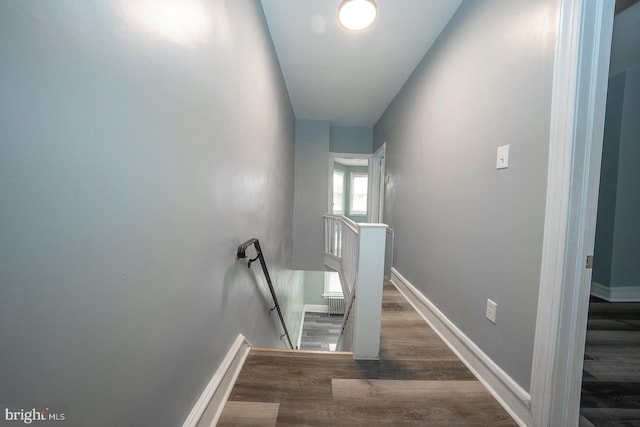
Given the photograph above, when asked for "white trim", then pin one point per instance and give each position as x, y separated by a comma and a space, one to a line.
362, 225
332, 157
377, 173
616, 293
577, 120
514, 399
367, 304
312, 308
299, 340
371, 192
332, 262
332, 188
352, 178
326, 293
215, 394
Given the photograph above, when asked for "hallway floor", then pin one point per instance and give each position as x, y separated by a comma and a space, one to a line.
320, 331
417, 381
611, 375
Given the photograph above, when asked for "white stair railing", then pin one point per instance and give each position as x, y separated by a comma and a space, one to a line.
357, 252
341, 249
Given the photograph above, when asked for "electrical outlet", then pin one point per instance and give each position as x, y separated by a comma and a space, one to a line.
492, 308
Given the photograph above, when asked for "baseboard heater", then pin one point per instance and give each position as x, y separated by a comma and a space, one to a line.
336, 304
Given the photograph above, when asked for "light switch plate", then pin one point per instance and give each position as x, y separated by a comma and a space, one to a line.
502, 160
492, 308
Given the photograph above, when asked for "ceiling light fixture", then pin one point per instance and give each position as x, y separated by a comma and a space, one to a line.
357, 14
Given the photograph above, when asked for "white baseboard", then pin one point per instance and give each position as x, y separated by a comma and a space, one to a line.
209, 406
515, 400
316, 308
616, 293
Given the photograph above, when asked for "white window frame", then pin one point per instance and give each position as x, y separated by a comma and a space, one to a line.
330, 278
352, 177
342, 200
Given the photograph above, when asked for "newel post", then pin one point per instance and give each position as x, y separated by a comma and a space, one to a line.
368, 301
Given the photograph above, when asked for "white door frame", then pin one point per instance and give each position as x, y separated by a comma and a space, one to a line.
577, 121
377, 184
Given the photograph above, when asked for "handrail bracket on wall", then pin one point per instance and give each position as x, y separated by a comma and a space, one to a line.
242, 253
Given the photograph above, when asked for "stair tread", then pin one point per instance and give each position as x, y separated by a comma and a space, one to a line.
297, 353
241, 413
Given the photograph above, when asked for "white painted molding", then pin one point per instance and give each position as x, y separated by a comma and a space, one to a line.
575, 144
376, 188
367, 305
312, 308
299, 339
332, 157
616, 293
332, 262
513, 398
209, 406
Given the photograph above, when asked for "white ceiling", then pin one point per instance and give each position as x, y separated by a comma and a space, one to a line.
351, 77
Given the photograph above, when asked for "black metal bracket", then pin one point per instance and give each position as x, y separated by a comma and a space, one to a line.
242, 253
242, 249
250, 261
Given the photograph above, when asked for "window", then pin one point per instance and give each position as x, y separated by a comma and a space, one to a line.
332, 286
338, 192
358, 197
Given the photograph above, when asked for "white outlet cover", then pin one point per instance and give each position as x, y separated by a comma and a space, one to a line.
502, 159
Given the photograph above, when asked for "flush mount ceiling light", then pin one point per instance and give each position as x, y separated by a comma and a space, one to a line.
357, 14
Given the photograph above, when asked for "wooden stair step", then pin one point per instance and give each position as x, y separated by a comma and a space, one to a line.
297, 353
433, 402
384, 392
260, 414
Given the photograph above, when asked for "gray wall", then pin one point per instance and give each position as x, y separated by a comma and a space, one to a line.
465, 232
625, 42
351, 139
617, 242
311, 196
617, 246
626, 243
603, 248
294, 304
314, 288
133, 161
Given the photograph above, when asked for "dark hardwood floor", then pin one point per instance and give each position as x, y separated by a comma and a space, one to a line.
417, 381
611, 376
